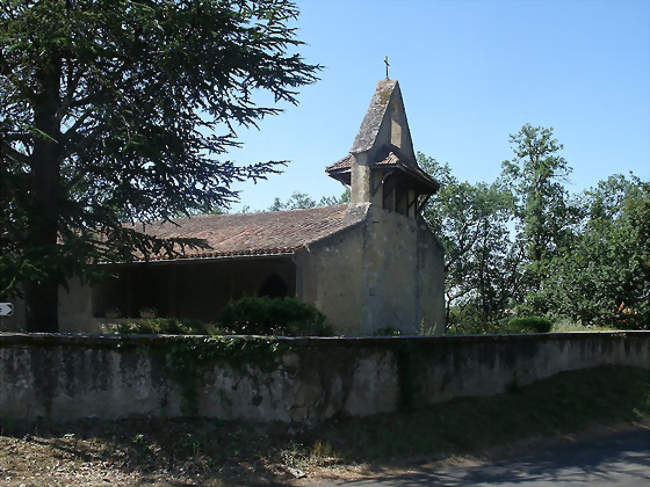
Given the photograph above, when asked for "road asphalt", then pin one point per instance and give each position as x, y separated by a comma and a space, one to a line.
621, 459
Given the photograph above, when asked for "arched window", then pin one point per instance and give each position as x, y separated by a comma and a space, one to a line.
274, 287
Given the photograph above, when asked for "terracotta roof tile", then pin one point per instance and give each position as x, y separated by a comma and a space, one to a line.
275, 232
346, 163
341, 164
341, 169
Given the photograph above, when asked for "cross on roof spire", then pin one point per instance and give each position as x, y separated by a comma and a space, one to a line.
387, 65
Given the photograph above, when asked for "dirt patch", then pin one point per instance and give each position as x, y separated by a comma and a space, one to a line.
153, 453
141, 452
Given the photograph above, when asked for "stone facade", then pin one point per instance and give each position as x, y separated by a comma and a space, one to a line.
368, 265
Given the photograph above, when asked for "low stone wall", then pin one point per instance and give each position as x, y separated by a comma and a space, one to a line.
67, 377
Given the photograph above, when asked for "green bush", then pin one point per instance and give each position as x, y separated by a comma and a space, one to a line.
389, 331
529, 324
165, 326
273, 316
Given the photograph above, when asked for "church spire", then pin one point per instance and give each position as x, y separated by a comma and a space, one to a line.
385, 127
381, 168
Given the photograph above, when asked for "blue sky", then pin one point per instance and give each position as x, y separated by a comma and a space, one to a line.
471, 73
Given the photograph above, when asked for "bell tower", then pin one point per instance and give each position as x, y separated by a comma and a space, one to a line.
381, 168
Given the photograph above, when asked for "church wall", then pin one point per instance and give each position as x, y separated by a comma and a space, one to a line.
331, 279
403, 275
387, 272
15, 322
431, 282
75, 308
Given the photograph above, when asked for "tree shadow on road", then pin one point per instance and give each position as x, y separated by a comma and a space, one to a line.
602, 461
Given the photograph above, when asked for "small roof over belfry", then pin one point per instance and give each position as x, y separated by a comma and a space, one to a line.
385, 135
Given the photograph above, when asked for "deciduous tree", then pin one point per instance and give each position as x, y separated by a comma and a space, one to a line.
482, 261
299, 201
604, 277
536, 175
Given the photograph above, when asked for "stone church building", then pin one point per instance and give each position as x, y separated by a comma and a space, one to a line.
367, 265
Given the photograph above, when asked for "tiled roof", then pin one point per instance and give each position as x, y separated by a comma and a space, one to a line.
390, 161
275, 232
341, 164
346, 163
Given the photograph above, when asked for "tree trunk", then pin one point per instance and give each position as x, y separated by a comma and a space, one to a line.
41, 295
41, 302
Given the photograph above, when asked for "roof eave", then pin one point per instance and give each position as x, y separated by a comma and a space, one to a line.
430, 185
199, 258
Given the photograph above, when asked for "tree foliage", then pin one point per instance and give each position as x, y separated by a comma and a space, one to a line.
300, 201
263, 315
112, 110
524, 246
535, 175
604, 277
481, 259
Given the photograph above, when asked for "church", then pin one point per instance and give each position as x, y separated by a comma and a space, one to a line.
367, 265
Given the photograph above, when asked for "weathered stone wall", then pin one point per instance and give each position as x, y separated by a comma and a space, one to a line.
386, 272
403, 274
330, 276
67, 377
430, 282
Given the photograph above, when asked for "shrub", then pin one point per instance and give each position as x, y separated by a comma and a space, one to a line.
529, 324
165, 326
389, 331
273, 316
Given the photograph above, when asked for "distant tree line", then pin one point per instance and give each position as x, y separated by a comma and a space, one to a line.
298, 201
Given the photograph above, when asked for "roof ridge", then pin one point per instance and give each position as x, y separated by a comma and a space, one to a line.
253, 213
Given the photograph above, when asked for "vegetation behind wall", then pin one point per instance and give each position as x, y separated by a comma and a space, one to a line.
524, 245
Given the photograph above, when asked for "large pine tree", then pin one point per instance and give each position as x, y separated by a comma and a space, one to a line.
115, 110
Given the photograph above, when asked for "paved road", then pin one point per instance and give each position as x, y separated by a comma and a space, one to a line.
619, 460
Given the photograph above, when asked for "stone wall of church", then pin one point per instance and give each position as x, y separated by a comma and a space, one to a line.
67, 377
431, 282
403, 275
330, 276
386, 272
75, 310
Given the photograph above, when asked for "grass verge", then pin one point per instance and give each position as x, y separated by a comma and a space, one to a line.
208, 452
568, 402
